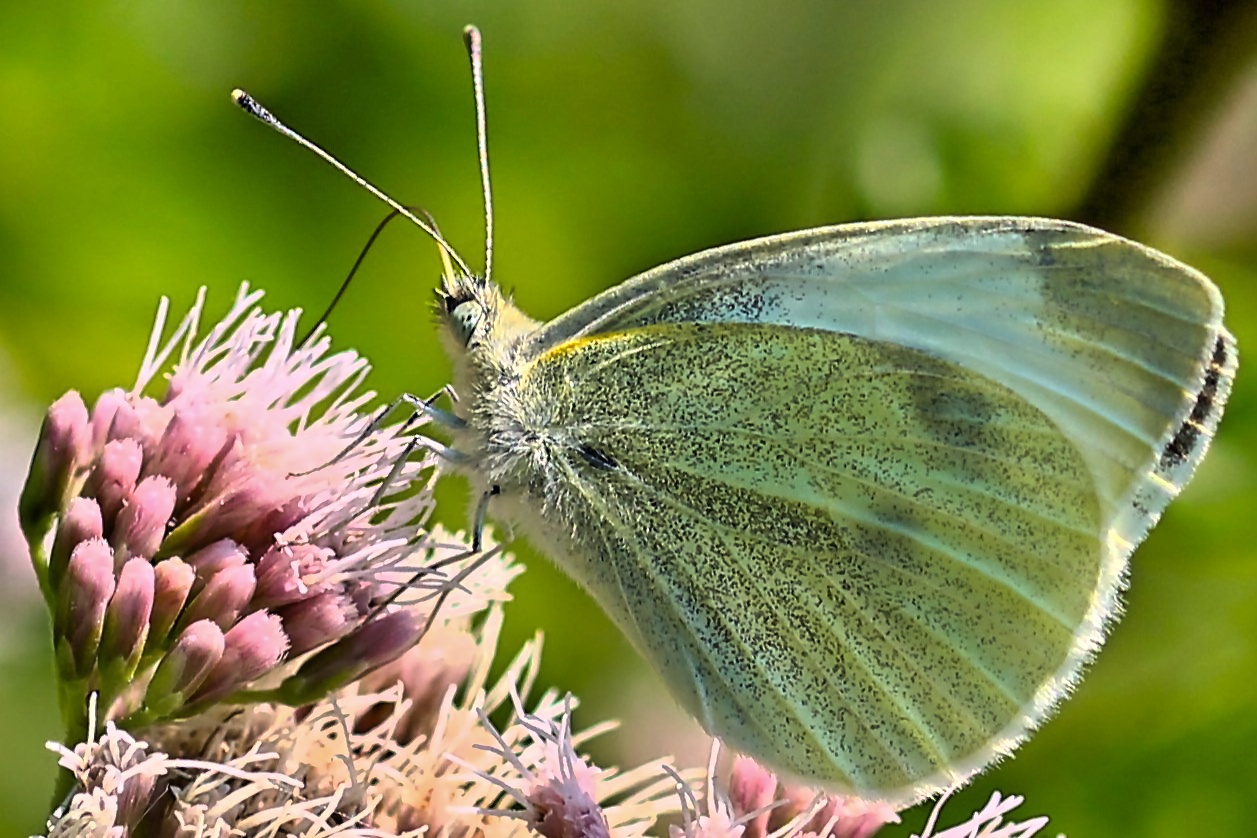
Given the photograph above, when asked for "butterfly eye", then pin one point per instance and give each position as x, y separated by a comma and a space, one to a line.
464, 318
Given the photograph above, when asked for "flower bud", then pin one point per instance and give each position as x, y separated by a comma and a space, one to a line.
113, 478
140, 797
838, 815
254, 646
317, 620
374, 644
127, 619
193, 439
107, 406
216, 557
237, 512
559, 809
751, 789
141, 524
223, 598
82, 522
173, 580
251, 512
185, 667
83, 597
62, 452
285, 574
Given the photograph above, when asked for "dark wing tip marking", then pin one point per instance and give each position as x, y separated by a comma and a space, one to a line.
1185, 441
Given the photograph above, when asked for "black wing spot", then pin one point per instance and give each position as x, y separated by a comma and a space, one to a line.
1185, 441
597, 458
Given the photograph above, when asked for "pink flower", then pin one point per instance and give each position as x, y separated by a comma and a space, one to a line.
248, 490
758, 805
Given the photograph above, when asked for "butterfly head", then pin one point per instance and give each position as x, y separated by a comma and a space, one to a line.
480, 326
467, 306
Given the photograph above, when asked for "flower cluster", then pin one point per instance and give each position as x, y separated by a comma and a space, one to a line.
190, 543
249, 538
368, 763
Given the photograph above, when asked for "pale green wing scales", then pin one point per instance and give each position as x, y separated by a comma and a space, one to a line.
1122, 346
856, 561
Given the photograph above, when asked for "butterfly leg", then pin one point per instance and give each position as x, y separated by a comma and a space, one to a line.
426, 408
482, 512
445, 586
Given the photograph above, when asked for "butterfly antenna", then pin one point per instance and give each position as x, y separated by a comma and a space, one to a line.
252, 107
471, 36
362, 255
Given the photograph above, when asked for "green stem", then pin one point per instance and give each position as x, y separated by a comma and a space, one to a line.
75, 724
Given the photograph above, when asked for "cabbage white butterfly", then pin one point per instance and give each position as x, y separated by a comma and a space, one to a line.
863, 495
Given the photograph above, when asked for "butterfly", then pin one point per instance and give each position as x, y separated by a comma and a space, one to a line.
863, 495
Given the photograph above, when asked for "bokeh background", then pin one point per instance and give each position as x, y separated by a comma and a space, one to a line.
624, 135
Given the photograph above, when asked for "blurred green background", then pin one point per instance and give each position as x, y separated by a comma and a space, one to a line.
622, 135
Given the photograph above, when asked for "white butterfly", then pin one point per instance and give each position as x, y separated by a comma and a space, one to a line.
863, 495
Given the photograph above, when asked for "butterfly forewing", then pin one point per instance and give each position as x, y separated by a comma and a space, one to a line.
1114, 341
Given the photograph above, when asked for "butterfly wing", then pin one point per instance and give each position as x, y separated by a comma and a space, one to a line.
1120, 345
864, 495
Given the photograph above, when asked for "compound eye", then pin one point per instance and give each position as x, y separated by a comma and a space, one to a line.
464, 318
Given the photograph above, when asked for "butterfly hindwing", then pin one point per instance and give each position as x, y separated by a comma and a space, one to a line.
855, 560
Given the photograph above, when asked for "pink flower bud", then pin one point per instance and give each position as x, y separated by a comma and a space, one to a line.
258, 644
285, 574
259, 533
317, 620
254, 646
173, 580
373, 644
751, 788
564, 810
223, 598
141, 524
856, 818
82, 599
250, 511
139, 796
82, 522
104, 413
217, 557
127, 618
114, 476
199, 648
251, 514
838, 816
795, 800
189, 445
62, 452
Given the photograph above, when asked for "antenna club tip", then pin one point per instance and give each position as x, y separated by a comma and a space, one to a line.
471, 33
252, 107
246, 102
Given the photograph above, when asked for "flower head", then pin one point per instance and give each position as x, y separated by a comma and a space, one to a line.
757, 805
346, 766
193, 540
